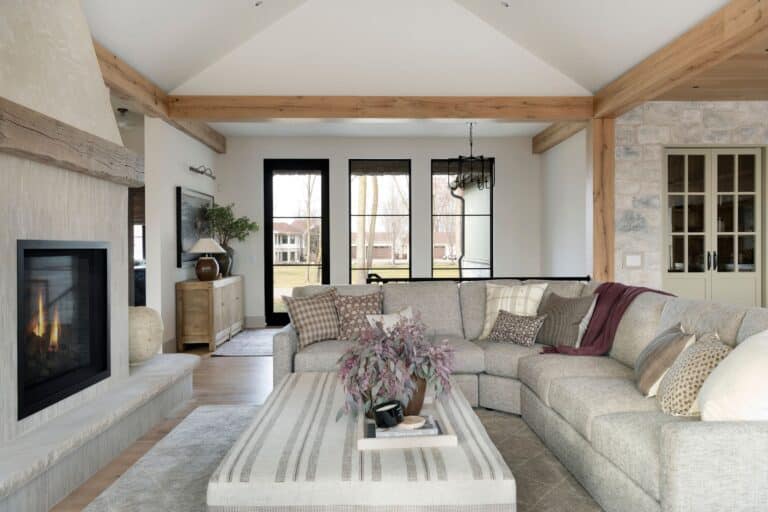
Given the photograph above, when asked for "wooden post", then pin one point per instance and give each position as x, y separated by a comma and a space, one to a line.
603, 194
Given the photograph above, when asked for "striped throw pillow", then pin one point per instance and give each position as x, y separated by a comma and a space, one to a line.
520, 300
564, 316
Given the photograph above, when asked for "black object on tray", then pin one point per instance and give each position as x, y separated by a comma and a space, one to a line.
388, 414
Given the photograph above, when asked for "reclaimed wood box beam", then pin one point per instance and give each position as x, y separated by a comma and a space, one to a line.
29, 134
603, 199
256, 108
148, 99
728, 31
556, 133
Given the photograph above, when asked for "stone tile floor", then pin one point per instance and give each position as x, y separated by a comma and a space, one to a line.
543, 484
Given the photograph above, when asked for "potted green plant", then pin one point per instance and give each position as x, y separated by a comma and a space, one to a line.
225, 228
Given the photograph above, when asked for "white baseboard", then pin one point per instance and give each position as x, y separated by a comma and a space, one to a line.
255, 322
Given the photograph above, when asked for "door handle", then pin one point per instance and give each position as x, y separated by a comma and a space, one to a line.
714, 260
709, 260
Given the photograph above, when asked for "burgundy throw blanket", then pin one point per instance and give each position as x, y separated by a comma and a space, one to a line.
613, 299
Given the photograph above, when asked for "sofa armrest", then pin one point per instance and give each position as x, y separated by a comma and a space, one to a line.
714, 466
285, 344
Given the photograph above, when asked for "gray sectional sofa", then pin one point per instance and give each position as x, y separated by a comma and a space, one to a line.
627, 453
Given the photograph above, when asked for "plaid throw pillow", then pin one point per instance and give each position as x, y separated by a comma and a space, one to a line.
353, 311
521, 330
521, 300
314, 318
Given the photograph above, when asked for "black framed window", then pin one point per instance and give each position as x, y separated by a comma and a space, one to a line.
462, 227
379, 219
296, 248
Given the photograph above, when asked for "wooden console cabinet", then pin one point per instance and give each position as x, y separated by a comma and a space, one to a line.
209, 311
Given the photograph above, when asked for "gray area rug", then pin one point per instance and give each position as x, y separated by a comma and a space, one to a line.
173, 475
251, 342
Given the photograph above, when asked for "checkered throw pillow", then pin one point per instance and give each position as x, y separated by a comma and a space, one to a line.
521, 330
314, 318
520, 300
353, 311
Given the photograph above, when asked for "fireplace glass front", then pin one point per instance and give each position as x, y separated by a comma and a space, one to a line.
63, 331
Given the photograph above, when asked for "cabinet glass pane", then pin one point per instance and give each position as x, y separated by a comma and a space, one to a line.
696, 253
746, 213
677, 254
696, 173
746, 173
676, 213
725, 259
676, 173
725, 215
726, 175
746, 253
695, 214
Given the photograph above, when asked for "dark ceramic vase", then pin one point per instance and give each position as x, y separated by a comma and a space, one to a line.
207, 269
226, 260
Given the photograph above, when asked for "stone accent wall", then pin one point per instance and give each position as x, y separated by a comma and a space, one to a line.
641, 136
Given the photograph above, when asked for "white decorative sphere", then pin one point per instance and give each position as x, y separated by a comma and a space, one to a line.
145, 333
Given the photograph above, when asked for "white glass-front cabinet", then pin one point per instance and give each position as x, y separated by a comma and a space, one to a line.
712, 224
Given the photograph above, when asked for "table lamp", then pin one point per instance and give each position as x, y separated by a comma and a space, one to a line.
207, 268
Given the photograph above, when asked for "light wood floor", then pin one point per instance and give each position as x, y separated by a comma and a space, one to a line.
218, 380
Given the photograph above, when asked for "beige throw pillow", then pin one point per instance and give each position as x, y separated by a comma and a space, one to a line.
680, 387
390, 320
658, 357
314, 318
520, 300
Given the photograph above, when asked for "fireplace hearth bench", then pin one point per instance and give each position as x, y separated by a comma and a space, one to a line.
295, 456
41, 467
617, 444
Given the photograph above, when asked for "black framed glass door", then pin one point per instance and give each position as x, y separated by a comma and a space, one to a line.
296, 236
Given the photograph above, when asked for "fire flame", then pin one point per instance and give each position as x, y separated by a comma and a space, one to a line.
53, 346
38, 323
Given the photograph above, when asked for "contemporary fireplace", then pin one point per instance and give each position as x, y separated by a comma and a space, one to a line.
63, 320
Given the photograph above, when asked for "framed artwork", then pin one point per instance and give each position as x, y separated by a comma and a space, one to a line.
190, 224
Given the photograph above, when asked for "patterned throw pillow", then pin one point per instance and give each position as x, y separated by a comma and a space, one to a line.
352, 311
680, 386
521, 330
659, 356
564, 316
314, 318
521, 300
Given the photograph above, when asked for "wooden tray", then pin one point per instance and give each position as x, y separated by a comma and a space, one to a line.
446, 438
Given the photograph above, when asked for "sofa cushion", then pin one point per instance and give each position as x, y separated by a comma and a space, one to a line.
538, 372
755, 321
468, 356
589, 288
438, 303
501, 359
472, 296
562, 288
341, 289
638, 327
579, 400
616, 436
701, 317
320, 357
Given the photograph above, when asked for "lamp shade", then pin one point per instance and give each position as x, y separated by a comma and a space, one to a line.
207, 246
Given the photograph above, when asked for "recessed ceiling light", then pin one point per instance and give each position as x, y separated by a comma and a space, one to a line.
257, 3
695, 86
505, 4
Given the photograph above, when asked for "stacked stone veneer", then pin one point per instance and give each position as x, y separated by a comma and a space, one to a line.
641, 136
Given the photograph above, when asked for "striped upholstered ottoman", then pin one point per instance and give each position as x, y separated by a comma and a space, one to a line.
295, 457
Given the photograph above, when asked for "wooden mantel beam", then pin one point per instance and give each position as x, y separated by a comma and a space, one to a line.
556, 133
29, 134
255, 108
149, 99
723, 34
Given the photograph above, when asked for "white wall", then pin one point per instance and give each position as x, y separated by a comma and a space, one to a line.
168, 153
566, 224
516, 198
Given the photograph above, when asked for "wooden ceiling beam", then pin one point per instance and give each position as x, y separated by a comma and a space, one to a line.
127, 83
255, 108
556, 133
725, 33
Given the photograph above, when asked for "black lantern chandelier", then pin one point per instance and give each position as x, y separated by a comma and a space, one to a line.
471, 169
